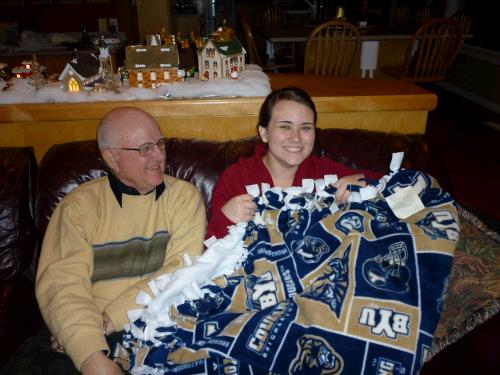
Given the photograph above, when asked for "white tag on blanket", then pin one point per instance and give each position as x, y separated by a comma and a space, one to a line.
253, 190
405, 202
265, 187
320, 185
209, 241
396, 160
330, 179
368, 192
308, 185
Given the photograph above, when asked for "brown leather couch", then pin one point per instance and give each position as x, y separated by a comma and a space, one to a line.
29, 194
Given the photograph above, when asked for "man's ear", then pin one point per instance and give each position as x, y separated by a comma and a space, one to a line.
263, 133
109, 157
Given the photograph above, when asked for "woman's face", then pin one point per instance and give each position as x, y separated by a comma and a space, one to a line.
289, 135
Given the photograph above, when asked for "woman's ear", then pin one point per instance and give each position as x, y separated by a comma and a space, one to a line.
263, 133
109, 157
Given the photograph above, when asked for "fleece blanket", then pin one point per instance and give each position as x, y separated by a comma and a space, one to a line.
309, 287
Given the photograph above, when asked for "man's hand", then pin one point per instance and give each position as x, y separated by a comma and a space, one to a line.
99, 364
342, 194
108, 326
240, 208
54, 344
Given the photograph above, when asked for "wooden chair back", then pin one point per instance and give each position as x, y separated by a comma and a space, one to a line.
275, 64
253, 54
431, 51
331, 49
422, 15
401, 16
463, 20
273, 18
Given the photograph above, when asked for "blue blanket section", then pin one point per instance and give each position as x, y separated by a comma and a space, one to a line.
355, 292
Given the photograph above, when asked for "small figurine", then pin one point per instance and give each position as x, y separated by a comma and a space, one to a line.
190, 72
4, 73
37, 74
181, 73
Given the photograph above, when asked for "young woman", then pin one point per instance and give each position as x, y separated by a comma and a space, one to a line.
287, 123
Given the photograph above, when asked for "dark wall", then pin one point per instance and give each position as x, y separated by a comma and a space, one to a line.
71, 17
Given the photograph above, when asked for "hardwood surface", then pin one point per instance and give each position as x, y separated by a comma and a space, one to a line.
341, 103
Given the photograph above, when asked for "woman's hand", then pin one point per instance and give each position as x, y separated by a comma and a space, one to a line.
240, 208
342, 194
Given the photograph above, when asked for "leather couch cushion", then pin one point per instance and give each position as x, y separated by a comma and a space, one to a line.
18, 171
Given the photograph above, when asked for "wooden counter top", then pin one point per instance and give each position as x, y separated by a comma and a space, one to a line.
366, 94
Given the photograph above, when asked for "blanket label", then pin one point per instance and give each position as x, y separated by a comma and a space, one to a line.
405, 202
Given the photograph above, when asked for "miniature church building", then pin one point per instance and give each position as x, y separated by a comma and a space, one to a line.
153, 64
83, 73
221, 56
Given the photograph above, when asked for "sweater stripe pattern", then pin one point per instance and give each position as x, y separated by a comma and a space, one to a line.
135, 257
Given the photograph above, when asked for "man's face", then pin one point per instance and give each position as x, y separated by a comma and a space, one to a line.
143, 173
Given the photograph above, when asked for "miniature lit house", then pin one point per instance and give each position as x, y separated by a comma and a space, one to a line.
221, 55
152, 65
83, 73
23, 70
80, 73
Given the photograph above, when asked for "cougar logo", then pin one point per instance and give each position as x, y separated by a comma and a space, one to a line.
382, 217
311, 249
349, 222
293, 224
315, 356
389, 272
330, 288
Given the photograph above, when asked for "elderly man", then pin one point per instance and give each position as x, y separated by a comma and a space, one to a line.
112, 235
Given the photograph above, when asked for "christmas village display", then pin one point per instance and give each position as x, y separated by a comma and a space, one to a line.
219, 56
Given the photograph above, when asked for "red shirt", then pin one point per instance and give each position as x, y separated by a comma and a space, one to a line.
249, 171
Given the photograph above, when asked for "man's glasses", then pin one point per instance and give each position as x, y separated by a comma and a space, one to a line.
147, 148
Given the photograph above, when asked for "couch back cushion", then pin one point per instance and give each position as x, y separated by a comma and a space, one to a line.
201, 162
372, 150
63, 168
18, 171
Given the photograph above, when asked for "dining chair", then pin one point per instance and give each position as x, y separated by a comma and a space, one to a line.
401, 16
274, 64
430, 52
331, 48
422, 15
272, 19
463, 21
